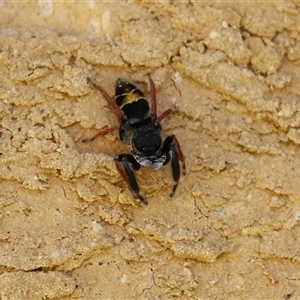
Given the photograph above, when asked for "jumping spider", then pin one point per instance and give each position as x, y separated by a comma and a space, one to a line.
140, 127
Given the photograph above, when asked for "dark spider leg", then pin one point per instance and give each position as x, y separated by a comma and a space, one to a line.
126, 164
124, 133
104, 132
172, 148
113, 104
153, 96
180, 154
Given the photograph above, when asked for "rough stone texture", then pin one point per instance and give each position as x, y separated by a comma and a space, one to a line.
70, 227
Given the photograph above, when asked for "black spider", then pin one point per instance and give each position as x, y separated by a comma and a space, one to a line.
140, 127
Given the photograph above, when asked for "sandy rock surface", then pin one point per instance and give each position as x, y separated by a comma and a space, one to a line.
69, 226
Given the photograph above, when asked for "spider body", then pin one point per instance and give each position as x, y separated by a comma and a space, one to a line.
140, 127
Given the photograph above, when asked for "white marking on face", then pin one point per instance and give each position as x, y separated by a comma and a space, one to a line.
152, 162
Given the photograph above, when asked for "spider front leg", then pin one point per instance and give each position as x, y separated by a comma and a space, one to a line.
126, 164
172, 148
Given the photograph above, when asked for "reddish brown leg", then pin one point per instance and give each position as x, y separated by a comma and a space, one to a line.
153, 102
104, 132
153, 96
165, 114
111, 101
